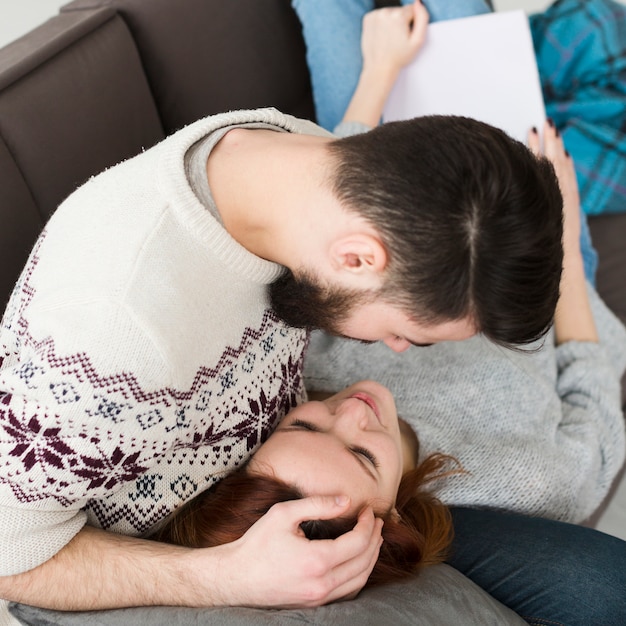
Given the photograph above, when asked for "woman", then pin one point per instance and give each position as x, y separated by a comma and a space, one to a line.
555, 457
351, 442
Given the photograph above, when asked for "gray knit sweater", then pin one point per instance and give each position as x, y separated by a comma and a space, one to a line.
538, 433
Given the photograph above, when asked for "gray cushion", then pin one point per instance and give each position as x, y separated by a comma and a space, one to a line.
440, 596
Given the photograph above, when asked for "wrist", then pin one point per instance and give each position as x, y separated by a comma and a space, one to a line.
379, 77
573, 263
207, 574
370, 96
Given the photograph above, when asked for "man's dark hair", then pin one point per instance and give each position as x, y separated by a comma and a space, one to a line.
471, 220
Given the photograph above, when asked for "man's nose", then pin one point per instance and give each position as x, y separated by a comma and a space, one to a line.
397, 344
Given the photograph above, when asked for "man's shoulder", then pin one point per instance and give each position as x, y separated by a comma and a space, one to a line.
269, 116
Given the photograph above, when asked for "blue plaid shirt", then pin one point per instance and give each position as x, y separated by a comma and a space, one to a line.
581, 54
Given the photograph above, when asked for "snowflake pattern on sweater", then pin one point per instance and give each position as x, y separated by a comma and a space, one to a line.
208, 429
140, 360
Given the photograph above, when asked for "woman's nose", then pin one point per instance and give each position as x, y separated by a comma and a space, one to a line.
354, 413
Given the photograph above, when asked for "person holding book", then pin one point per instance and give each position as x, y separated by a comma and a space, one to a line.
559, 430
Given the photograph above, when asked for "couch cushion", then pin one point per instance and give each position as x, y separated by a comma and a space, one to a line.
73, 101
20, 223
608, 233
77, 103
209, 56
440, 596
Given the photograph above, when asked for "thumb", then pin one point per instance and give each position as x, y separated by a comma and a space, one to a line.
313, 507
420, 21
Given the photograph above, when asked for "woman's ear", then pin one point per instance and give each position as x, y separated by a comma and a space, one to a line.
359, 253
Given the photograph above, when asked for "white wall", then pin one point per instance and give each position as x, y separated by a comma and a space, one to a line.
530, 6
17, 17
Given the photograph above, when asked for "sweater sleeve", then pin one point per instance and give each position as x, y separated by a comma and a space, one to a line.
589, 388
29, 538
41, 461
347, 129
69, 430
568, 445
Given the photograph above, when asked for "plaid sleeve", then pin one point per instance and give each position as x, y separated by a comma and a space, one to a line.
581, 54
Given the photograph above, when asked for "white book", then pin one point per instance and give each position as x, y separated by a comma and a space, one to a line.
482, 67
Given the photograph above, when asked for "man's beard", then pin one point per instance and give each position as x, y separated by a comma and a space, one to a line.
301, 302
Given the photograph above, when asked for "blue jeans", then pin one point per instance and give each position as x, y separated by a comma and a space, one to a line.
548, 572
332, 32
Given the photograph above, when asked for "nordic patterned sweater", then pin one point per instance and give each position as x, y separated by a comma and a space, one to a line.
139, 358
538, 433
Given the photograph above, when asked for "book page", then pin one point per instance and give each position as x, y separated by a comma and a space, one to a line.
482, 67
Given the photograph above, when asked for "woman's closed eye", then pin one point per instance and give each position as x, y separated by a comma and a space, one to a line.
304, 425
367, 454
364, 452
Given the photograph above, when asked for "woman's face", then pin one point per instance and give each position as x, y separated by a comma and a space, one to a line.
348, 444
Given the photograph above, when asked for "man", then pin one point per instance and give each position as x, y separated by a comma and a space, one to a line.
142, 360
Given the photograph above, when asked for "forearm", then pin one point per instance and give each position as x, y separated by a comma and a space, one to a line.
271, 565
101, 570
590, 434
390, 40
370, 96
573, 320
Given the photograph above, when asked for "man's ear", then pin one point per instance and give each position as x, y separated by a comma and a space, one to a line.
359, 253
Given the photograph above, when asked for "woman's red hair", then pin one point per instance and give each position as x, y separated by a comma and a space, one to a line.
420, 535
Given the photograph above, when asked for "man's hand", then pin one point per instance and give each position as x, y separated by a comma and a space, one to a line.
275, 565
272, 565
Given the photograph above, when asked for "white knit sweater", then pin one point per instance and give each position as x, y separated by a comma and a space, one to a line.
139, 360
538, 433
